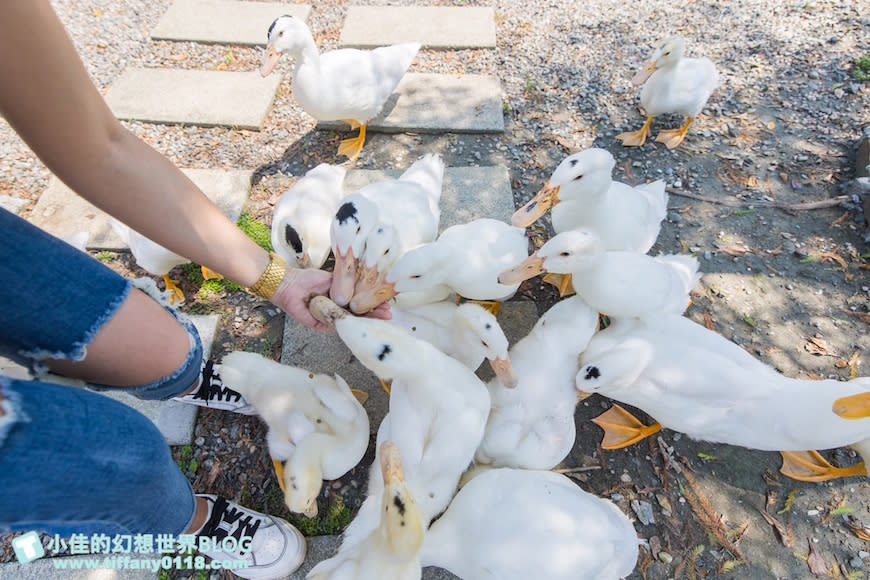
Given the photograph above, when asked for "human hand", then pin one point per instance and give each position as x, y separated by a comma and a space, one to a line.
297, 287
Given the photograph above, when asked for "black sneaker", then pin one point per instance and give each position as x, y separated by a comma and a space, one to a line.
270, 547
213, 394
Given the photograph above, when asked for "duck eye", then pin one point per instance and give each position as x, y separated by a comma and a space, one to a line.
564, 254
387, 251
483, 342
579, 177
280, 34
415, 276
667, 53
357, 229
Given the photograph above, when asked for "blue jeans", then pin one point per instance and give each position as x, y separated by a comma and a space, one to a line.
72, 460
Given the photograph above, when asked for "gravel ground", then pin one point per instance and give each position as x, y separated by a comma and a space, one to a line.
789, 286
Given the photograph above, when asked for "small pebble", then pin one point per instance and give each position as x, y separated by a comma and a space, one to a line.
856, 562
665, 557
812, 512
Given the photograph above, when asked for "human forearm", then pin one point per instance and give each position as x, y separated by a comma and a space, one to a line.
48, 98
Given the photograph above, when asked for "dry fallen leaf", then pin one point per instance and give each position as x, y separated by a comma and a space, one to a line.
816, 345
781, 532
816, 562
734, 250
860, 532
708, 321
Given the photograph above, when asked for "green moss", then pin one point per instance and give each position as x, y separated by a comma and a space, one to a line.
338, 516
257, 231
105, 256
861, 72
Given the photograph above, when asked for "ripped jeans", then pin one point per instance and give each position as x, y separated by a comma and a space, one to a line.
72, 460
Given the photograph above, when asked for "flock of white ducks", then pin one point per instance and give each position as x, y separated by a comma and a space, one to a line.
463, 482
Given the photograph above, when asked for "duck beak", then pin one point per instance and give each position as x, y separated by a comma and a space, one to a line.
853, 407
644, 73
504, 371
343, 277
528, 268
270, 59
536, 207
391, 463
371, 290
304, 261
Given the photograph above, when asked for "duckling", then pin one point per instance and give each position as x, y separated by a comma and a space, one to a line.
532, 426
697, 382
618, 284
315, 423
466, 259
302, 216
676, 85
391, 216
518, 524
348, 85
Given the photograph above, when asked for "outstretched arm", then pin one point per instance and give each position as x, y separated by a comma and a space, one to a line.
47, 96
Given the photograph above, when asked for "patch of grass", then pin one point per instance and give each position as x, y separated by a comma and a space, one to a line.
105, 256
257, 231
331, 519
186, 461
337, 517
749, 320
742, 212
861, 72
530, 88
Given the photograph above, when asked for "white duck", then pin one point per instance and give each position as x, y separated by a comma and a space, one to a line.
302, 216
697, 382
505, 523
583, 195
676, 85
467, 332
386, 535
438, 406
466, 259
532, 426
155, 259
517, 524
315, 423
618, 284
398, 213
342, 85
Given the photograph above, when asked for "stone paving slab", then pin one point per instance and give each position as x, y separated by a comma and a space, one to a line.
432, 26
175, 420
64, 214
227, 21
436, 103
12, 204
468, 193
193, 97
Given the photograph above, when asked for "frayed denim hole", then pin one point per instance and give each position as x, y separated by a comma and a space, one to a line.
11, 406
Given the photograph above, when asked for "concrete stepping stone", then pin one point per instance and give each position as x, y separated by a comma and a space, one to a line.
193, 97
64, 214
223, 21
175, 420
433, 26
436, 103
